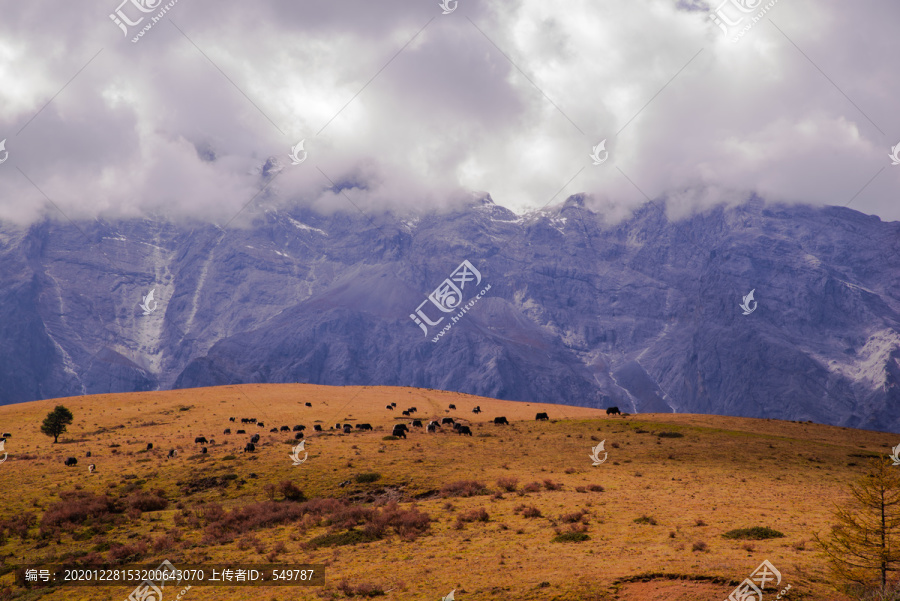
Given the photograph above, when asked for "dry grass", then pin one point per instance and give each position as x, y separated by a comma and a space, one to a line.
397, 533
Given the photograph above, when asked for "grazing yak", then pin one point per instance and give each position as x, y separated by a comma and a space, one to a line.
255, 438
417, 423
365, 426
274, 430
432, 427
348, 428
91, 468
252, 420
244, 420
477, 409
261, 425
71, 461
613, 411
231, 419
464, 430
398, 432
452, 406
172, 453
299, 428
203, 451
149, 446
317, 428
298, 436
402, 427
388, 407
241, 432
406, 413
501, 421
250, 447
309, 404
285, 428
201, 440
88, 454
227, 430
541, 417
412, 409
447, 420
393, 404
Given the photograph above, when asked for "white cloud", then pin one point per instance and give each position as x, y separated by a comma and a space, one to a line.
134, 132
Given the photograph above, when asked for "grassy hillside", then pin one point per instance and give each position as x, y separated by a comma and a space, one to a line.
647, 524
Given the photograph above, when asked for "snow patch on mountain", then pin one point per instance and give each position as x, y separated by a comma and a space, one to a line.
870, 362
303, 226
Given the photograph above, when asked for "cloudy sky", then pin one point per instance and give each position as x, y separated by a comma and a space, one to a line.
401, 106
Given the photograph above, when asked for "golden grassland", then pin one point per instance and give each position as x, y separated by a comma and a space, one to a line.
723, 473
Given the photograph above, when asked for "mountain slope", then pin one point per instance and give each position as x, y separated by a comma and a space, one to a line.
496, 501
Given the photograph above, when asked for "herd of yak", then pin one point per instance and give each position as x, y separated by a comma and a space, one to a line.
399, 430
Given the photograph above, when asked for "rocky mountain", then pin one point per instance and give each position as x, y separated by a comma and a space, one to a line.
556, 306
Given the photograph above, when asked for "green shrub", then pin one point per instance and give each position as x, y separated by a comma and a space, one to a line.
571, 537
367, 477
391, 438
670, 435
755, 533
645, 519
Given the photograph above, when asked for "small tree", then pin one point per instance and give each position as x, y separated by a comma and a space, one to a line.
864, 546
56, 421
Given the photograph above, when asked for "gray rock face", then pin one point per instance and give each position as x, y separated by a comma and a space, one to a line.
642, 314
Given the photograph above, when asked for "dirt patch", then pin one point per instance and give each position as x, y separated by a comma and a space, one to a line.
672, 590
382, 495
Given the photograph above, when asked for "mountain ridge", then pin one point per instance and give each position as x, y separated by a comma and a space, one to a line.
641, 313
